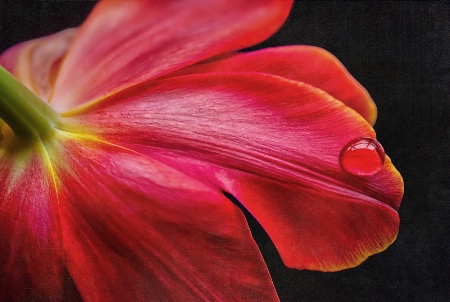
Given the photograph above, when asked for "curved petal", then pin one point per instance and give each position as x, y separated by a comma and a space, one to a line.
147, 232
309, 64
35, 63
30, 255
320, 229
281, 141
317, 227
124, 43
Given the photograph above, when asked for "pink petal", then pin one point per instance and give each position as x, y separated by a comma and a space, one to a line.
127, 42
135, 229
308, 64
35, 63
272, 142
30, 253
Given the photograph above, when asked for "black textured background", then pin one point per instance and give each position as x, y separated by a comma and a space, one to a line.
400, 51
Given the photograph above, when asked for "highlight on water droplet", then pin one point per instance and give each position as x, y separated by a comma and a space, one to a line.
362, 156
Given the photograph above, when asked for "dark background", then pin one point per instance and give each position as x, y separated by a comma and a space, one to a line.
400, 51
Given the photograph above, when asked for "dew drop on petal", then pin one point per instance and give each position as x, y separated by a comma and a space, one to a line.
362, 156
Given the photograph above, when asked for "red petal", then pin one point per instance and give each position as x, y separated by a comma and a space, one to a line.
308, 64
321, 228
35, 63
314, 225
287, 134
127, 42
135, 229
30, 254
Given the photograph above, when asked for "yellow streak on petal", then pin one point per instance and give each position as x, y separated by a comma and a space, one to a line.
355, 260
167, 176
48, 163
19, 152
79, 109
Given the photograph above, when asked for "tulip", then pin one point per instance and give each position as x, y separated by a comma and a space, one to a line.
122, 140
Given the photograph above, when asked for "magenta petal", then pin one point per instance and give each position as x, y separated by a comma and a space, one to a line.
31, 267
124, 43
135, 229
275, 145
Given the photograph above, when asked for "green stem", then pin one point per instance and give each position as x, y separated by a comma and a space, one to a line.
25, 113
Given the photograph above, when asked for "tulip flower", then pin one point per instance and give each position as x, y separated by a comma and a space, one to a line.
122, 139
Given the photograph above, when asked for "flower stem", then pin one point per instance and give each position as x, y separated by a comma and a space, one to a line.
25, 113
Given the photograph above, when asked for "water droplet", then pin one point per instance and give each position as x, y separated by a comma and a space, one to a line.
362, 156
